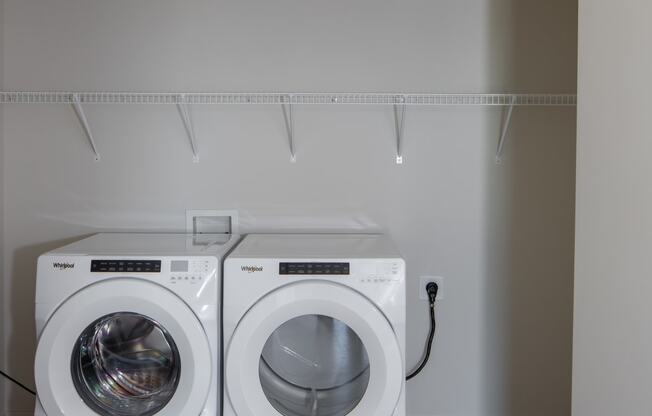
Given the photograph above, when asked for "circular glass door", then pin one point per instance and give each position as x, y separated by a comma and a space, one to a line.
313, 348
314, 365
125, 364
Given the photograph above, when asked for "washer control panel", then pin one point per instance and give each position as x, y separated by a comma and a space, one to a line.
127, 266
183, 270
189, 271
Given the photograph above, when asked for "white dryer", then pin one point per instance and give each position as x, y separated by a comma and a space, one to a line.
128, 324
314, 325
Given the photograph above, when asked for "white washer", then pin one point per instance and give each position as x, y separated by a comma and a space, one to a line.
314, 325
128, 324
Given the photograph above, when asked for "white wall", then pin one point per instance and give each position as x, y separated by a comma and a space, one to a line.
612, 337
501, 235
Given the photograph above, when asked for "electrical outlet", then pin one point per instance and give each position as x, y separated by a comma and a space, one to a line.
423, 282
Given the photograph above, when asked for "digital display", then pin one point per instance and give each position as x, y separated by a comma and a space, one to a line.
179, 266
129, 266
314, 268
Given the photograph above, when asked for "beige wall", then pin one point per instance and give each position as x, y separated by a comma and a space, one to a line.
612, 337
501, 235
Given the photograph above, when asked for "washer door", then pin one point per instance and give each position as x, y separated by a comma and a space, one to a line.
123, 347
314, 349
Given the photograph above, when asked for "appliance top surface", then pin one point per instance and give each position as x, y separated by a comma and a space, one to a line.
307, 246
130, 244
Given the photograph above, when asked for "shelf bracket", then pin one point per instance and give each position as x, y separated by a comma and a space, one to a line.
81, 116
399, 121
289, 125
507, 119
184, 112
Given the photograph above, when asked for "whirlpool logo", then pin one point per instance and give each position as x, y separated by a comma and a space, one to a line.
252, 269
63, 266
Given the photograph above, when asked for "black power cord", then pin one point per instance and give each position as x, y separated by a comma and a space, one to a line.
431, 288
18, 383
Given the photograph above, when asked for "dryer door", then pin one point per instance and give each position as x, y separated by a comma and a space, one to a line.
123, 347
314, 348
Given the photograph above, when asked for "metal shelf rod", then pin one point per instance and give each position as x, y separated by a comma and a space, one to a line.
81, 116
415, 99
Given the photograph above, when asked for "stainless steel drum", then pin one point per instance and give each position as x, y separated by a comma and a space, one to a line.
125, 364
314, 365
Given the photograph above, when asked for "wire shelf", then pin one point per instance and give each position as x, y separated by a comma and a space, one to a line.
289, 98
399, 102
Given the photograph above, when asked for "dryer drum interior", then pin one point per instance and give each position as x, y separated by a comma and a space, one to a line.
314, 365
125, 364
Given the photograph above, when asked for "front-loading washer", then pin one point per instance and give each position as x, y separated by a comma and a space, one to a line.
314, 325
128, 324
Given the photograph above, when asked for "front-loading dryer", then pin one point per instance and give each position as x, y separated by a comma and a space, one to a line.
314, 325
128, 324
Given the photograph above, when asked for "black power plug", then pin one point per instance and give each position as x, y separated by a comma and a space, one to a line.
431, 289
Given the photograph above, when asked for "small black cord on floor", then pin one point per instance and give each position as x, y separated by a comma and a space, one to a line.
18, 383
432, 289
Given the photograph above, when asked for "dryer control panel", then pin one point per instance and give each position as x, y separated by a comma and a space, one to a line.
383, 272
314, 268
